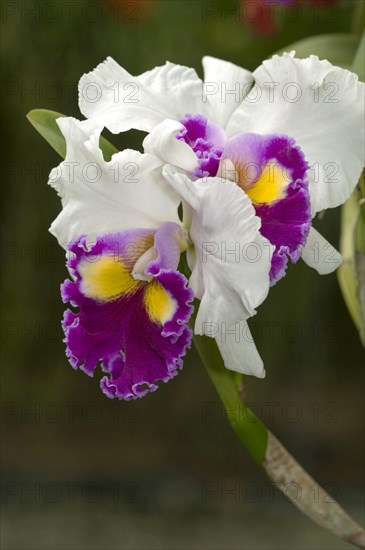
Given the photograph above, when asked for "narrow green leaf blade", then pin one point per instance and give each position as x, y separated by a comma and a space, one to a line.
44, 122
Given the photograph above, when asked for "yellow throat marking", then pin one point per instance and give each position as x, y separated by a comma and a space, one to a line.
106, 278
270, 186
160, 306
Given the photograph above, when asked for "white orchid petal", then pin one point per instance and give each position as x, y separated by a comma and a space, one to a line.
101, 197
322, 108
196, 280
225, 86
122, 101
320, 254
233, 260
162, 143
239, 351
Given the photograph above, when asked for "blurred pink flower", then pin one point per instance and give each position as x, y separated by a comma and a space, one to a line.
259, 14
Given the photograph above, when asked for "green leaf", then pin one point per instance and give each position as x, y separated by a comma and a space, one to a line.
339, 49
247, 426
44, 122
358, 18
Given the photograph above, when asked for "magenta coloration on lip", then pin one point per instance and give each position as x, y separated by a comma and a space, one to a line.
135, 351
286, 221
206, 140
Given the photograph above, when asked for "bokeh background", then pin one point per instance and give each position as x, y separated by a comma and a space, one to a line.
166, 472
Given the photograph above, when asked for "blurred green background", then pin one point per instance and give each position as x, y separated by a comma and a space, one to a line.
80, 471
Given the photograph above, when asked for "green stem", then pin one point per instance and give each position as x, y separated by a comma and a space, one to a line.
272, 456
350, 273
248, 427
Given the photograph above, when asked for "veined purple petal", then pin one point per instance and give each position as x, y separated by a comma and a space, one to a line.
207, 141
137, 329
281, 201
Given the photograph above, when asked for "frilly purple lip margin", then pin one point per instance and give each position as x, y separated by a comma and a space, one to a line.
206, 140
136, 352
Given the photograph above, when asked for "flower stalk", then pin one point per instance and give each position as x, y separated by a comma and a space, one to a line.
268, 453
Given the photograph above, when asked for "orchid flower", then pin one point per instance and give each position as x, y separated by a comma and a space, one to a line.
289, 136
121, 229
230, 166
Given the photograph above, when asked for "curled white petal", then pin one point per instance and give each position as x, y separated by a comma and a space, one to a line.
122, 101
101, 197
320, 254
163, 143
238, 349
322, 108
233, 259
225, 86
